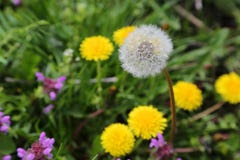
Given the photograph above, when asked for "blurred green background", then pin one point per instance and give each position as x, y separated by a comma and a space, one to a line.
35, 34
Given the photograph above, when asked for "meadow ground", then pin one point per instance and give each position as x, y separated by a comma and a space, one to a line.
84, 96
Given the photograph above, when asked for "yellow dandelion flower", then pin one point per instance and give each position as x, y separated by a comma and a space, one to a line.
120, 34
117, 139
146, 121
96, 48
228, 86
187, 95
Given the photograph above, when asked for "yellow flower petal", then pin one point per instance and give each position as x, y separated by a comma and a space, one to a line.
120, 34
146, 122
96, 48
228, 86
117, 139
187, 95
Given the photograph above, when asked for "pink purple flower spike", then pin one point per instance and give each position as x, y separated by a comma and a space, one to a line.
52, 95
60, 82
21, 152
179, 158
40, 150
58, 85
7, 157
164, 150
4, 122
30, 156
61, 79
157, 142
48, 108
40, 76
16, 2
51, 86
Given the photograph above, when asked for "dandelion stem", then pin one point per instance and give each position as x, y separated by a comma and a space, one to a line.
137, 144
99, 83
172, 105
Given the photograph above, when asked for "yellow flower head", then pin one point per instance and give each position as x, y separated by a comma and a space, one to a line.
120, 34
187, 95
117, 139
146, 121
228, 86
96, 48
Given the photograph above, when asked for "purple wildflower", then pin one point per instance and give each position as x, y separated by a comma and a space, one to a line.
40, 150
7, 157
58, 85
179, 158
48, 108
4, 122
52, 95
157, 142
40, 76
16, 2
61, 79
60, 82
164, 150
51, 86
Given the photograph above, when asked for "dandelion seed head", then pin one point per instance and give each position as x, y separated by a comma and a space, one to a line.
145, 51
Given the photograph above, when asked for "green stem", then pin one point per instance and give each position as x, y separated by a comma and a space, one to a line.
99, 83
95, 157
172, 105
138, 143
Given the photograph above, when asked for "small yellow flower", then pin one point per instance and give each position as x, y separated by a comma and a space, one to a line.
117, 139
146, 121
228, 86
187, 95
96, 48
120, 34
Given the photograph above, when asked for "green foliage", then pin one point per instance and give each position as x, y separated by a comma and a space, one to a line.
7, 145
34, 36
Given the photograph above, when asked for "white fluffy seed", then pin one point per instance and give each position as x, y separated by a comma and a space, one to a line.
145, 51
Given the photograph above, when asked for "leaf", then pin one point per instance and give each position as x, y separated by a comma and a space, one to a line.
7, 145
96, 147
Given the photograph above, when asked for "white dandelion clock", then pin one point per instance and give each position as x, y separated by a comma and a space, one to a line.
145, 51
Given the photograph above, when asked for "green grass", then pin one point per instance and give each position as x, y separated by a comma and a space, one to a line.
33, 37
